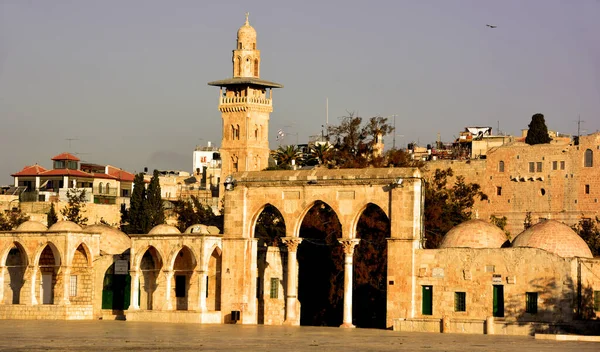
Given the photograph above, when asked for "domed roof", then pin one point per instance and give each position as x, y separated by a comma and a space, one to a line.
475, 233
554, 237
32, 226
65, 226
203, 230
164, 229
112, 240
246, 31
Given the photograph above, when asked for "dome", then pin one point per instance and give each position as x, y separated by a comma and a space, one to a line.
65, 226
475, 234
164, 229
554, 237
32, 226
246, 32
112, 240
203, 230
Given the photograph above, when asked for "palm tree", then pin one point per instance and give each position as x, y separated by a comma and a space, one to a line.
320, 153
285, 154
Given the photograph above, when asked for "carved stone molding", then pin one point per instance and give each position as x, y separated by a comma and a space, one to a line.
291, 243
349, 245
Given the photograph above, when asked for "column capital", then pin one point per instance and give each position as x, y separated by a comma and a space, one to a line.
291, 243
349, 245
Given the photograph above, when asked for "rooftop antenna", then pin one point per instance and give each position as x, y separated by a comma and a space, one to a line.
579, 121
71, 139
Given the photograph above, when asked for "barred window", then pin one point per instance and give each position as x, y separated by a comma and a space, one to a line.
501, 166
73, 286
539, 166
274, 287
460, 301
555, 165
589, 158
531, 166
531, 302
562, 165
597, 301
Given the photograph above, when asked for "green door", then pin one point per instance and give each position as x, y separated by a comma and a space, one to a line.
498, 301
427, 308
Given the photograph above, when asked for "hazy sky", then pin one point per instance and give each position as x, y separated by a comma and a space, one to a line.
127, 78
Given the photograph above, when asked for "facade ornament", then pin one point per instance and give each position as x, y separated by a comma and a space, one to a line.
349, 245
291, 243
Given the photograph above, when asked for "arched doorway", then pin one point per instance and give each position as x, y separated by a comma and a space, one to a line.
49, 263
321, 268
270, 288
116, 288
183, 268
16, 263
213, 291
369, 297
150, 266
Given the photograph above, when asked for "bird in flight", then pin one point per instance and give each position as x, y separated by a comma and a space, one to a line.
491, 25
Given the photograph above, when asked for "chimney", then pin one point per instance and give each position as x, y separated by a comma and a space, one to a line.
209, 144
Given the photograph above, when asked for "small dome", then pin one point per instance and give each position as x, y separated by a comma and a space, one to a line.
65, 226
554, 237
475, 234
200, 229
112, 240
164, 229
246, 32
32, 226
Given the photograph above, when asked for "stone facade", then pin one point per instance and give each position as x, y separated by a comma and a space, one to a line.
551, 181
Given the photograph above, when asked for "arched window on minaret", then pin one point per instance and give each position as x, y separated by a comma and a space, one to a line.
232, 132
255, 67
237, 132
239, 65
256, 132
234, 163
240, 45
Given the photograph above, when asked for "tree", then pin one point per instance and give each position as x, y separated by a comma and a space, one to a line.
154, 208
286, 155
75, 207
501, 223
447, 207
138, 222
320, 154
538, 132
51, 217
192, 212
589, 231
12, 219
527, 223
400, 158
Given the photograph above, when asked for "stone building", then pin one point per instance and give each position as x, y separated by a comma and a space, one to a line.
558, 181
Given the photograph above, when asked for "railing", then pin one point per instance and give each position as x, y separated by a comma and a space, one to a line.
111, 192
241, 100
29, 196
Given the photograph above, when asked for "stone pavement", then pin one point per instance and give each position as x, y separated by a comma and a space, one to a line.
32, 335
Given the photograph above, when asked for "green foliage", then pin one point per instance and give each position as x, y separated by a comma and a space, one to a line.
192, 212
12, 219
285, 155
527, 223
538, 132
320, 154
138, 221
400, 158
76, 206
589, 230
51, 216
501, 223
447, 207
270, 227
154, 209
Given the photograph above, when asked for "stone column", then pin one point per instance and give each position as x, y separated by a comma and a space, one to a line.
66, 276
201, 290
292, 280
34, 283
2, 271
348, 254
168, 287
135, 290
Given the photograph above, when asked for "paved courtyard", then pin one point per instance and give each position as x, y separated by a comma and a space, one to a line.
22, 335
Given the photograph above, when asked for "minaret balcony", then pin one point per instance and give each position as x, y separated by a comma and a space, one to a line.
245, 100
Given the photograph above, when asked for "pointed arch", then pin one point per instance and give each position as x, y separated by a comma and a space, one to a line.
18, 246
360, 213
100, 188
588, 158
85, 251
181, 252
15, 260
53, 248
239, 63
256, 68
150, 264
155, 253
48, 260
213, 280
257, 216
305, 211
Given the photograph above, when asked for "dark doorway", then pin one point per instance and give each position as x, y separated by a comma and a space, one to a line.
369, 298
116, 290
321, 268
427, 308
498, 309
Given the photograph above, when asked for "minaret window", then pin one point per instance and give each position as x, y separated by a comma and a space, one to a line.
255, 67
232, 132
240, 46
239, 65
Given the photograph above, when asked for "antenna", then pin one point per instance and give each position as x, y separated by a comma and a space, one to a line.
327, 111
71, 139
579, 121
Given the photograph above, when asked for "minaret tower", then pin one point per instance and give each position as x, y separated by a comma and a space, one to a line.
245, 102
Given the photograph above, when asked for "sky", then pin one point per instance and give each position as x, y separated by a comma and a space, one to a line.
124, 82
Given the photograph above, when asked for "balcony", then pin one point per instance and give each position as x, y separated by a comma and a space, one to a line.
233, 104
104, 192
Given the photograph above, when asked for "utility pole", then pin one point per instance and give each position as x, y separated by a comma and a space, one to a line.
579, 121
394, 139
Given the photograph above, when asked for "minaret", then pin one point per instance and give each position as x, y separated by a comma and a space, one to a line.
245, 102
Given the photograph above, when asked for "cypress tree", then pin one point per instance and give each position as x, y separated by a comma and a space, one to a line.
538, 131
137, 216
76, 207
155, 210
51, 217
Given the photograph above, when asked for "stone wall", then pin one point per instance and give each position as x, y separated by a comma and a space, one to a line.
49, 312
272, 264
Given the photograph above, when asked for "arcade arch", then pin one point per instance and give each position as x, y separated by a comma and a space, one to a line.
16, 264
150, 265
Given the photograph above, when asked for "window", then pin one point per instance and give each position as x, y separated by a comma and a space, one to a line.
501, 166
587, 189
255, 67
427, 304
539, 166
274, 287
498, 191
531, 302
555, 165
124, 193
73, 286
108, 188
597, 301
240, 46
59, 164
588, 158
531, 166
100, 188
180, 286
562, 165
460, 301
